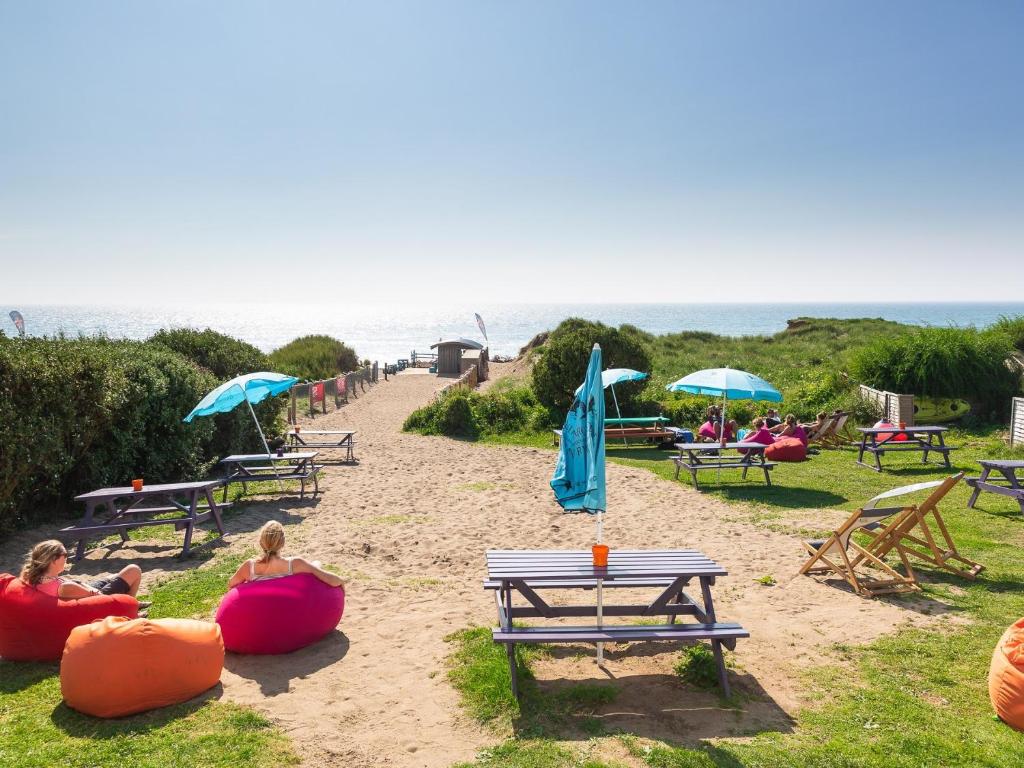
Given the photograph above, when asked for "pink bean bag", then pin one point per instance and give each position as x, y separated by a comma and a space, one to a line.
279, 615
34, 626
786, 449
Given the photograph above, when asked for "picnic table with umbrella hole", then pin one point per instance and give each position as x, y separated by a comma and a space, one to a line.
695, 457
324, 439
248, 468
886, 439
1014, 487
666, 572
119, 510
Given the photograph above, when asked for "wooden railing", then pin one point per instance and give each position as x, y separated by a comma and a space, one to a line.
893, 407
337, 390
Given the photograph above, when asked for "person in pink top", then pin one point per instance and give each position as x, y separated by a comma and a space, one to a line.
46, 562
759, 434
790, 428
711, 431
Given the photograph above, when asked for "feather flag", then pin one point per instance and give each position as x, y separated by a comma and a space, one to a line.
19, 321
480, 325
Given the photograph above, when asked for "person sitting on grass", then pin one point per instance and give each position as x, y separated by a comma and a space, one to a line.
272, 566
48, 559
790, 428
771, 418
711, 430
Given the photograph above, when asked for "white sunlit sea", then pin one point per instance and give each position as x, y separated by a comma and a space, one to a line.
387, 333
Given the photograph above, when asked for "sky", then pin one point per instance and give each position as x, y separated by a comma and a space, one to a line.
195, 152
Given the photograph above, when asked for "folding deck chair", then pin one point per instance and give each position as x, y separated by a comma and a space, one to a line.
841, 555
834, 437
912, 534
818, 436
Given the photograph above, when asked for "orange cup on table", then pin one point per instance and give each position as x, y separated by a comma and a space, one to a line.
297, 429
903, 425
600, 553
137, 484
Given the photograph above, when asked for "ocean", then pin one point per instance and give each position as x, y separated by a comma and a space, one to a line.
387, 333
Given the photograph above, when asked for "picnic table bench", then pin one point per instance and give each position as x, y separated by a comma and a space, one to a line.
324, 439
125, 509
247, 468
1008, 468
649, 428
695, 457
884, 439
669, 572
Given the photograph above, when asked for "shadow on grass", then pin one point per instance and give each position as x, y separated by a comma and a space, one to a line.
777, 496
16, 676
275, 673
87, 727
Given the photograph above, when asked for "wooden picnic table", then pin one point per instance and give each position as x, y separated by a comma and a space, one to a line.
667, 571
1008, 468
324, 439
124, 510
695, 457
924, 439
246, 468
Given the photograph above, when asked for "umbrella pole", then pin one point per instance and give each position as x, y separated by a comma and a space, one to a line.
600, 596
619, 414
266, 447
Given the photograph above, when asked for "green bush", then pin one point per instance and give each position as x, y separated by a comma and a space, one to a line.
458, 413
1013, 327
314, 357
227, 357
944, 362
562, 364
455, 417
78, 414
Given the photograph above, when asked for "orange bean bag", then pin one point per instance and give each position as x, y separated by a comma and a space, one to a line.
118, 667
786, 449
1006, 676
35, 626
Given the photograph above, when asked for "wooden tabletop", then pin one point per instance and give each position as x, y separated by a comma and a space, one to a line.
896, 429
622, 563
302, 432
294, 456
636, 420
1002, 463
147, 490
719, 446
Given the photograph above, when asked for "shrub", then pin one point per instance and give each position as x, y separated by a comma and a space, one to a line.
697, 666
562, 365
943, 362
499, 411
77, 414
226, 357
1013, 327
314, 357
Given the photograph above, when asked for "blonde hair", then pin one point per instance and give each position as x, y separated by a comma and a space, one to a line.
39, 560
758, 422
271, 540
791, 419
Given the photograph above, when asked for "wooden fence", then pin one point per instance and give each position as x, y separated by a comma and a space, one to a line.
466, 381
1017, 422
338, 390
894, 407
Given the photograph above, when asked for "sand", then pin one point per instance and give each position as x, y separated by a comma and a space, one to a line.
408, 526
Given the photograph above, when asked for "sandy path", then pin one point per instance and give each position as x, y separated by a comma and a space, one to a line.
409, 525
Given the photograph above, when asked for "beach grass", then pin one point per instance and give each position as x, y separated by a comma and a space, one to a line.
913, 698
38, 729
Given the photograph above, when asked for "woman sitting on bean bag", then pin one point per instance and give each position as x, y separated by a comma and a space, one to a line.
759, 434
46, 562
790, 428
273, 566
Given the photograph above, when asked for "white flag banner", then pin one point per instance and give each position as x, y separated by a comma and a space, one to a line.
19, 321
480, 325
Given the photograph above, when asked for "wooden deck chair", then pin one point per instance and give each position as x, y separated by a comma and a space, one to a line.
817, 435
913, 534
841, 555
835, 437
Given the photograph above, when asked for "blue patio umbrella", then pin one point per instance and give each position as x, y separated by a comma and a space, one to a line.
614, 376
249, 388
578, 482
726, 383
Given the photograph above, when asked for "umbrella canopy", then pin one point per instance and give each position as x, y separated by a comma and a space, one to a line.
614, 376
727, 382
251, 387
578, 481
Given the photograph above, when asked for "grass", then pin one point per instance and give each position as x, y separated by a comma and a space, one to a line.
914, 698
40, 730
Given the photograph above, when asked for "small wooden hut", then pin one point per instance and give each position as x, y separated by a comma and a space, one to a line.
449, 354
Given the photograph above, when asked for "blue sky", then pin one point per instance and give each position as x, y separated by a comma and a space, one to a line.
772, 151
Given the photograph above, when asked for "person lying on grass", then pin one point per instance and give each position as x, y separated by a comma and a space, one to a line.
272, 566
48, 559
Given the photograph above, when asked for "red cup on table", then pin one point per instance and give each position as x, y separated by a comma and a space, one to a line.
903, 425
297, 429
137, 484
600, 553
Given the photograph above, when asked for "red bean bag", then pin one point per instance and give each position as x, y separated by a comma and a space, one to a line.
279, 615
117, 666
889, 437
34, 626
1006, 676
786, 449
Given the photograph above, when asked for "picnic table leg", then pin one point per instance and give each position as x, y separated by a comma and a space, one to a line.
977, 490
693, 473
214, 512
878, 459
86, 523
863, 447
767, 476
191, 525
510, 649
723, 677
945, 454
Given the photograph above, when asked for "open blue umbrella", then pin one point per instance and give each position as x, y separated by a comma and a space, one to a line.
249, 388
614, 376
726, 383
578, 481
